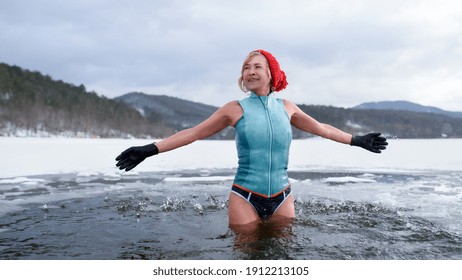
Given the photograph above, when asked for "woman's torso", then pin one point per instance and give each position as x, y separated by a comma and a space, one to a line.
263, 136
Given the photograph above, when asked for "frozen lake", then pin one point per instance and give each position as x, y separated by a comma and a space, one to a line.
65, 199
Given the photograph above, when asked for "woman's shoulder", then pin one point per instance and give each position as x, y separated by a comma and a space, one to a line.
231, 105
233, 111
290, 107
288, 104
234, 107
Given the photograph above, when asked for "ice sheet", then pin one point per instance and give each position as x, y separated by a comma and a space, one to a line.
33, 156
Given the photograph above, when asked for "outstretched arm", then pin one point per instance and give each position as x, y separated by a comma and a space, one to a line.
373, 142
223, 117
303, 121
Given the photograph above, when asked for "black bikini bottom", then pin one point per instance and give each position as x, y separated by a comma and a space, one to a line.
265, 207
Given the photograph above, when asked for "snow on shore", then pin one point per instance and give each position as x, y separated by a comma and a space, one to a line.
34, 156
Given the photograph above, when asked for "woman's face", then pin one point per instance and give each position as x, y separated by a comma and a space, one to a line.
256, 75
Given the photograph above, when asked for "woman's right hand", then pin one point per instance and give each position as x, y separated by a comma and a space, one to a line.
133, 156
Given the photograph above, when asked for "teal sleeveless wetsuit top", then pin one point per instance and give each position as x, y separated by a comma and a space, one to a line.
263, 136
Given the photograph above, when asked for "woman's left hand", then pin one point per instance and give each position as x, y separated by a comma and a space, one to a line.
373, 142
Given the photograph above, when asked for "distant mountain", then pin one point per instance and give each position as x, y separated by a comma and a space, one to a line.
33, 104
172, 111
407, 106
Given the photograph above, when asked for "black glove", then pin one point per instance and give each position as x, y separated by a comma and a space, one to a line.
131, 157
372, 142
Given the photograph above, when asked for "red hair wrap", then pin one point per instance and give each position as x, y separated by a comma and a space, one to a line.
279, 79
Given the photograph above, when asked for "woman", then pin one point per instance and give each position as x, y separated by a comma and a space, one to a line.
263, 123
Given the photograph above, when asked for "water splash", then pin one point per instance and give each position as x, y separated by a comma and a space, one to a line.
173, 204
133, 204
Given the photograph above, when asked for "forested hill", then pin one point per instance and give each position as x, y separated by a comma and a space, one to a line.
180, 114
172, 111
32, 104
393, 123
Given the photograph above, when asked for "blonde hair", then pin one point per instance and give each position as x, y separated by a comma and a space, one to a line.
240, 82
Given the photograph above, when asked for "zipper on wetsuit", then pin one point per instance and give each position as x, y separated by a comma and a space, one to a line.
270, 126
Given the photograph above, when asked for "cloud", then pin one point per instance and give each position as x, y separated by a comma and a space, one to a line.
339, 53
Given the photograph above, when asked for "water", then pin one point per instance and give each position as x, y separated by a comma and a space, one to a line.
380, 212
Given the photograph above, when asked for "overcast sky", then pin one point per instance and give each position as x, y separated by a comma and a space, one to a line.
339, 53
